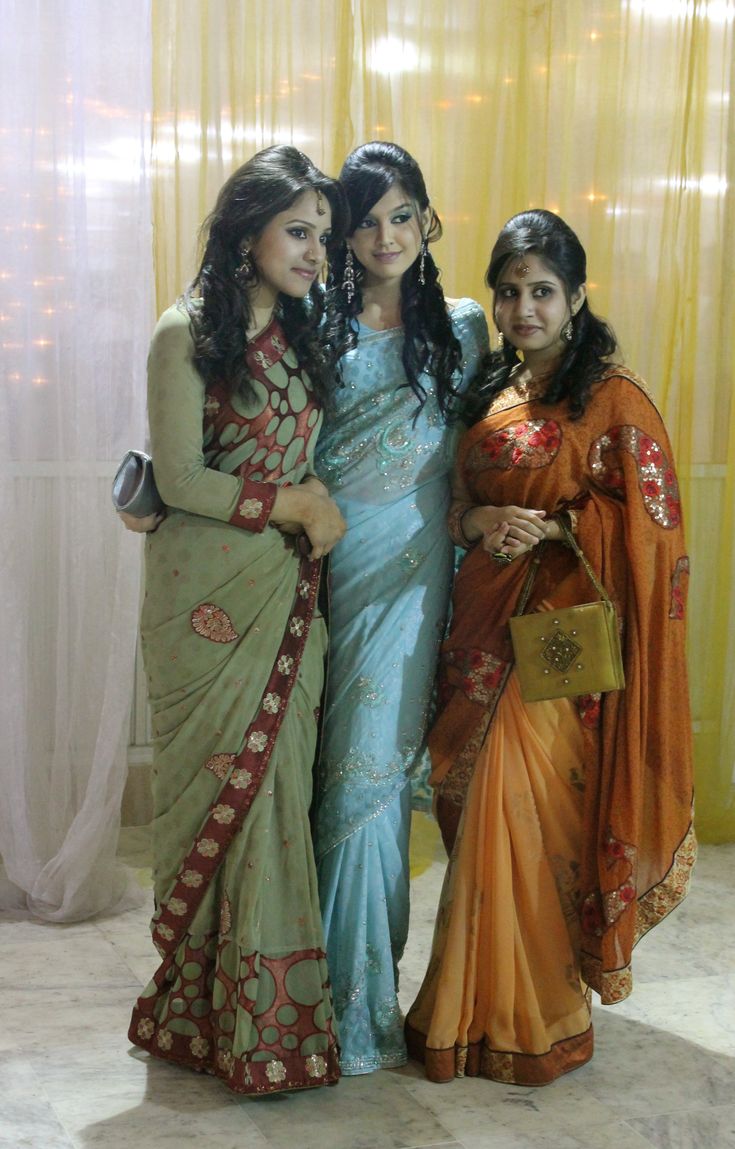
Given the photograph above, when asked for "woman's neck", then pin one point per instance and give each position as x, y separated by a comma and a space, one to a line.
532, 368
260, 318
381, 306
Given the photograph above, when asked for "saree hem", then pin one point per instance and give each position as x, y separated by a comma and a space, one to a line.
370, 1064
478, 1059
651, 908
290, 1073
189, 1015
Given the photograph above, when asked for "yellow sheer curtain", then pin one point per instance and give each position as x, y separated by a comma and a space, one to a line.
614, 113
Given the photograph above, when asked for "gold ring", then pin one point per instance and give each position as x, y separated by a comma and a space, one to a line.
501, 558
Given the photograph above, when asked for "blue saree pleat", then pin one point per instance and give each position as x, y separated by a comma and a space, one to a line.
390, 580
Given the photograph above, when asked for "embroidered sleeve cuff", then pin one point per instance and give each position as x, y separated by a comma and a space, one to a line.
254, 506
454, 525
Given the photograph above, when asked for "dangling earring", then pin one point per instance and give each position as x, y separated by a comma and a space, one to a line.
348, 279
501, 341
247, 268
567, 332
422, 262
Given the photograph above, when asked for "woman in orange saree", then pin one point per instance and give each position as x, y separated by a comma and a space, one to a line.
570, 820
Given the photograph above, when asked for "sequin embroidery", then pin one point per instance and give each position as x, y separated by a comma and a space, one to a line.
656, 477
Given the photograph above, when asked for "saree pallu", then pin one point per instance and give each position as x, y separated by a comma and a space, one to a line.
575, 816
235, 658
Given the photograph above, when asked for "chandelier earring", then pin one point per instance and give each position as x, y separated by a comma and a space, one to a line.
567, 332
246, 270
501, 341
348, 279
422, 262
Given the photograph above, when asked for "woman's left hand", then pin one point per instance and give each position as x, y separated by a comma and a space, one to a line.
514, 543
142, 526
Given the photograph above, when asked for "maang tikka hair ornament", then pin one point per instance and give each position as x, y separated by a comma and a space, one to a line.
320, 208
348, 280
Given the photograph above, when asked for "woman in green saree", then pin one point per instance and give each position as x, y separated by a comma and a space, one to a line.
233, 642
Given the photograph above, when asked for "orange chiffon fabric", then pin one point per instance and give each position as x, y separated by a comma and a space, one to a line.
507, 990
575, 831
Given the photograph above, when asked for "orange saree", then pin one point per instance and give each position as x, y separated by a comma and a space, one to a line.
575, 834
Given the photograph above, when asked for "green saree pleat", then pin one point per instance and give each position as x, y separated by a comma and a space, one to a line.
235, 663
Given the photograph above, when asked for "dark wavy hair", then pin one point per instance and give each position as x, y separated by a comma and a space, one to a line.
218, 302
429, 344
586, 357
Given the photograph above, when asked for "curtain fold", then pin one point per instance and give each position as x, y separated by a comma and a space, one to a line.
75, 314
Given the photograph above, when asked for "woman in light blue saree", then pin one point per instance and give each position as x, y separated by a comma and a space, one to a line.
386, 455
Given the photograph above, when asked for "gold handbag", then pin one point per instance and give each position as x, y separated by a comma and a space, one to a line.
568, 651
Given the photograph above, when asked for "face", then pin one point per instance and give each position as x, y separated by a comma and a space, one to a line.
290, 251
388, 240
531, 308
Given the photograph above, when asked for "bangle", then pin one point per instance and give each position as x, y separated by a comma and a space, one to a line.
454, 524
567, 521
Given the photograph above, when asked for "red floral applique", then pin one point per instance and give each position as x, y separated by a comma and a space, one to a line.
679, 580
212, 622
592, 919
588, 708
481, 674
656, 476
533, 443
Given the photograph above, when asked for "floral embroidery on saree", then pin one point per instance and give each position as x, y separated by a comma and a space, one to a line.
679, 580
213, 623
532, 443
482, 674
589, 709
656, 477
220, 765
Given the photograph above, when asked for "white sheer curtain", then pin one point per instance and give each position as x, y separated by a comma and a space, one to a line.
75, 316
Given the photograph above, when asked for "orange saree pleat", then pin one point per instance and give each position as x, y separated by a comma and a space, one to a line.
503, 996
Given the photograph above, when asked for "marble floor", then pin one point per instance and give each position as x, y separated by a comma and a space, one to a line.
663, 1075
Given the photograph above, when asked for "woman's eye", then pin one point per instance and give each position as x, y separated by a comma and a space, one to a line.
403, 217
297, 232
364, 224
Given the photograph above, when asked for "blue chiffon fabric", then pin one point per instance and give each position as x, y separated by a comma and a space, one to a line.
390, 580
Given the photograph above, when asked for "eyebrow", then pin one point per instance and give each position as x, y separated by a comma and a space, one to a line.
528, 282
306, 223
393, 210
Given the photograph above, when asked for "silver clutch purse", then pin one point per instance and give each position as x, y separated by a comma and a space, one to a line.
134, 487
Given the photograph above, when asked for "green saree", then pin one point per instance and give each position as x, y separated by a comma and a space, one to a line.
234, 657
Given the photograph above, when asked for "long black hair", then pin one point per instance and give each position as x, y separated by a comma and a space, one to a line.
586, 356
218, 299
429, 344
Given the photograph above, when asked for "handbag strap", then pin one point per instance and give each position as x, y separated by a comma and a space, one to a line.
572, 543
570, 540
